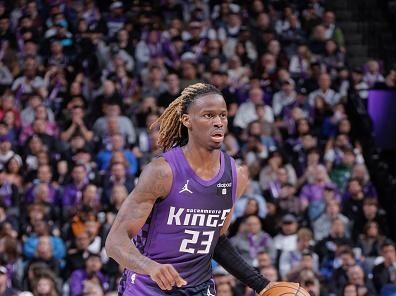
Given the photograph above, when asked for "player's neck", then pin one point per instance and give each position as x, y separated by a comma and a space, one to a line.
201, 157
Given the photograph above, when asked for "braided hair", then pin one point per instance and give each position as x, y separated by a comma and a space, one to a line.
171, 130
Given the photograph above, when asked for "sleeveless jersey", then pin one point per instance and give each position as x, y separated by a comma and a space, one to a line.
184, 227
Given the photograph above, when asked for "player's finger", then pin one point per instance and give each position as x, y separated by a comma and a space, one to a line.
179, 280
162, 283
165, 280
159, 282
169, 276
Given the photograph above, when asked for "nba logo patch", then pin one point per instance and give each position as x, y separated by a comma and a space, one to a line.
224, 191
133, 278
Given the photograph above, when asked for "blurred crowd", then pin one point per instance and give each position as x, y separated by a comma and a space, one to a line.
82, 81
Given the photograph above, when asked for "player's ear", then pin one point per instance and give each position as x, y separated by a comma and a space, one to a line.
185, 119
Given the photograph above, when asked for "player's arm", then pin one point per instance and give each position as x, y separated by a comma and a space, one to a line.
228, 257
155, 182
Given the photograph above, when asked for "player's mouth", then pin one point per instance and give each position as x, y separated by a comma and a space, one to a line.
217, 136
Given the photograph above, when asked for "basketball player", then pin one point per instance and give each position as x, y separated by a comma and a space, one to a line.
181, 207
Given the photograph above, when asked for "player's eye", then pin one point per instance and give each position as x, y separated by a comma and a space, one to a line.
208, 115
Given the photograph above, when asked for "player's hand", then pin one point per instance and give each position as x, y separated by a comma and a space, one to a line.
166, 276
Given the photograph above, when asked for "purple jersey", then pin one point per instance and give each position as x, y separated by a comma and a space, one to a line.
184, 227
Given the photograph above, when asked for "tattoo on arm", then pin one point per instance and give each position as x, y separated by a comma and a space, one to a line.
154, 183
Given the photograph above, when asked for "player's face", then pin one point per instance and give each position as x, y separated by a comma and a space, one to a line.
207, 121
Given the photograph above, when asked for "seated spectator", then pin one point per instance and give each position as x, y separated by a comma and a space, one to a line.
369, 243
14, 171
40, 114
78, 279
357, 277
4, 287
114, 122
29, 82
340, 173
352, 205
270, 273
71, 192
286, 240
350, 290
247, 111
324, 90
45, 286
385, 272
44, 176
264, 260
373, 74
359, 171
286, 96
333, 57
299, 63
371, 212
322, 225
119, 175
287, 201
292, 262
90, 198
77, 254
244, 201
8, 191
27, 115
253, 240
44, 254
77, 125
251, 207
331, 247
116, 144
313, 192
6, 151
41, 231
268, 173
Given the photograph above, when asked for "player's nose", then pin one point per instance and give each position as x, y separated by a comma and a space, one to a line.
217, 122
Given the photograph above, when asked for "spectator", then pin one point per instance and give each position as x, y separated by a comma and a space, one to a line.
332, 30
384, 273
253, 240
114, 122
292, 262
4, 289
79, 279
321, 226
116, 144
42, 235
247, 111
286, 240
45, 286
324, 90
373, 73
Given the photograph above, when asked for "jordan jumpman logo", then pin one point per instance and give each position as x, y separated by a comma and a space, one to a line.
185, 188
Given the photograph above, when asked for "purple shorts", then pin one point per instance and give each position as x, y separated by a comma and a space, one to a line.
134, 284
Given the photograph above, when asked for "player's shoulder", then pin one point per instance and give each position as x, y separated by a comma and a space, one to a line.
159, 167
156, 178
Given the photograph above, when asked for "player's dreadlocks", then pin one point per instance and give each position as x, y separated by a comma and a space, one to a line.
172, 132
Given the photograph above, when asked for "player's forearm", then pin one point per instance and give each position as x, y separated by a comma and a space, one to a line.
227, 256
125, 253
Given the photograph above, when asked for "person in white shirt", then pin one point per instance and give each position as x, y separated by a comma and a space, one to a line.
284, 97
247, 111
330, 95
373, 74
287, 239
